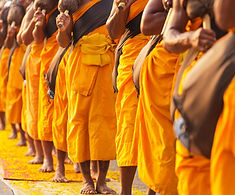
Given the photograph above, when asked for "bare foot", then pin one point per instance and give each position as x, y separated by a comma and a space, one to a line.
88, 188
76, 168
104, 189
59, 178
94, 176
13, 136
36, 160
47, 166
22, 142
68, 161
30, 152
2, 126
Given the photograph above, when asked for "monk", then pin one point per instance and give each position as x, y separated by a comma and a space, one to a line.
193, 171
154, 129
14, 84
126, 103
45, 27
3, 62
91, 113
223, 153
60, 115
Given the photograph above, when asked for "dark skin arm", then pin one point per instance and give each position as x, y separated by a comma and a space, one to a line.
153, 18
116, 23
176, 40
29, 25
65, 27
225, 14
11, 36
3, 31
40, 26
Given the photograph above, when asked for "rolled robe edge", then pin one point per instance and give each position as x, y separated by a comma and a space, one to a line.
121, 5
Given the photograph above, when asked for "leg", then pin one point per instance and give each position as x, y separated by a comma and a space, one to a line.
13, 132
101, 186
48, 160
60, 169
31, 147
39, 153
94, 169
150, 192
89, 187
2, 121
127, 175
22, 141
76, 167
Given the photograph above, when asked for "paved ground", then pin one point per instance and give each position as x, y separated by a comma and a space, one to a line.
4, 189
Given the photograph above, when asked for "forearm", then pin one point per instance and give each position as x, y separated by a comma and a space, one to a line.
27, 35
2, 36
177, 42
9, 42
150, 26
63, 38
116, 23
39, 34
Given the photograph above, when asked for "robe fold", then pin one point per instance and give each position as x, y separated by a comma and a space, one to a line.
126, 103
14, 87
32, 88
156, 139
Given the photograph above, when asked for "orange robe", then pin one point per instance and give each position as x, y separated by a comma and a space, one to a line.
46, 105
91, 112
24, 111
32, 88
3, 78
223, 150
156, 139
126, 103
60, 115
14, 87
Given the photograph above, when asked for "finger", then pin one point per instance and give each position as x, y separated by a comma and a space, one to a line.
207, 37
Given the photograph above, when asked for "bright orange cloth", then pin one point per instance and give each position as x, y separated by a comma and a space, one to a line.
156, 145
223, 150
60, 115
126, 103
45, 112
193, 171
3, 79
32, 88
14, 87
91, 111
46, 105
24, 110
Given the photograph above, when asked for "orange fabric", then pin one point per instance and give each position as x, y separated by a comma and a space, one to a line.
3, 79
91, 112
193, 171
24, 111
156, 145
32, 88
223, 150
126, 103
60, 115
14, 87
45, 112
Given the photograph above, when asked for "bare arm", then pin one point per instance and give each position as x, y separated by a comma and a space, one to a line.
225, 14
177, 40
65, 26
153, 18
29, 25
116, 23
3, 32
11, 36
40, 26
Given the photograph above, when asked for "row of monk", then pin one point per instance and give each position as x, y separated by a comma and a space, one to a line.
99, 78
